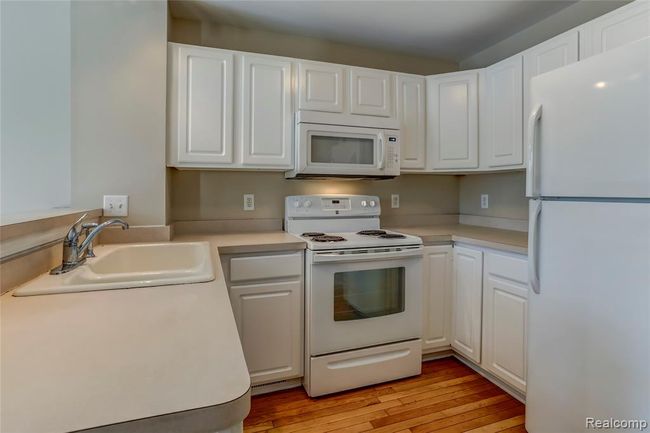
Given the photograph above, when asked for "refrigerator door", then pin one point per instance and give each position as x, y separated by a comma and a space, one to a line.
589, 326
591, 136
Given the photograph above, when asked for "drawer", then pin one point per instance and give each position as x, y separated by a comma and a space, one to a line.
509, 266
265, 267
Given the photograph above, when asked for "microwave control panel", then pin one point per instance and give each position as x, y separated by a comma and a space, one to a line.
392, 152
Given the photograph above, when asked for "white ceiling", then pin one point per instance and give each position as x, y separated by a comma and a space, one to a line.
444, 29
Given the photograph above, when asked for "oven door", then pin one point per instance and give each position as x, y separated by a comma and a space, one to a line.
362, 298
341, 150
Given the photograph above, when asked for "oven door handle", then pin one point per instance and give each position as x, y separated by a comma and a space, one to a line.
334, 257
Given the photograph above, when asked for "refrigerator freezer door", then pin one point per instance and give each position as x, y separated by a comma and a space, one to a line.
593, 136
589, 328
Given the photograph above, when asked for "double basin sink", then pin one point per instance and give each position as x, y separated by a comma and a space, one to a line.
130, 266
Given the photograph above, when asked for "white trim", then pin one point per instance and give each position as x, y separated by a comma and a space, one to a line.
276, 386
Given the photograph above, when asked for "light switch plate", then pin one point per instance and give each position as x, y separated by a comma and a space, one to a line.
249, 201
484, 201
116, 205
394, 201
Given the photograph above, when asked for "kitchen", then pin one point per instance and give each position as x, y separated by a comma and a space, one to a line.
269, 216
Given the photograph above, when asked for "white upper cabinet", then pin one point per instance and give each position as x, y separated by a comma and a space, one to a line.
560, 51
201, 105
619, 27
266, 112
320, 87
502, 114
371, 92
437, 292
466, 302
452, 120
410, 95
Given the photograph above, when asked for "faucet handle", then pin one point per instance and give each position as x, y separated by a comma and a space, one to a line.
86, 228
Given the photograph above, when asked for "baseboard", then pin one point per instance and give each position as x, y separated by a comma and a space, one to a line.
518, 395
494, 222
276, 386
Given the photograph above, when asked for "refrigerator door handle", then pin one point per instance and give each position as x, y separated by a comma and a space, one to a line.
533, 273
533, 120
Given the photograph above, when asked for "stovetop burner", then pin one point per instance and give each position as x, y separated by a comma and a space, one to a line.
312, 234
372, 232
328, 238
392, 236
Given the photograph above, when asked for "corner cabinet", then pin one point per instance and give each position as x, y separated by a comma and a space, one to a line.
452, 120
410, 95
466, 305
201, 86
436, 302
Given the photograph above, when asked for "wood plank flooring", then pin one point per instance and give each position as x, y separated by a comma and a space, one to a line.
448, 397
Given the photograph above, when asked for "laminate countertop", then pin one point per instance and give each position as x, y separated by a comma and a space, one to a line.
159, 359
252, 242
504, 240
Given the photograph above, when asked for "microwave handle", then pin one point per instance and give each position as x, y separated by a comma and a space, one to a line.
380, 151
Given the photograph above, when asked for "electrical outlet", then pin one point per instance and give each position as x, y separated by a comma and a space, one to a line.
394, 200
249, 201
116, 205
484, 201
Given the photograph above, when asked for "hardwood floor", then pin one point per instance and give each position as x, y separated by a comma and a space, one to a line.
447, 397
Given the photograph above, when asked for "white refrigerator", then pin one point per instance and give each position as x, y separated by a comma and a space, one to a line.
588, 179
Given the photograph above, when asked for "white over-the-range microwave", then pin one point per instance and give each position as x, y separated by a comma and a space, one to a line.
338, 145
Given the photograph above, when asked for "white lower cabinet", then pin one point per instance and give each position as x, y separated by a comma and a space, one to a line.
268, 309
505, 305
436, 311
466, 302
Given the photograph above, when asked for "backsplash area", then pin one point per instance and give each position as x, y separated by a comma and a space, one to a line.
218, 195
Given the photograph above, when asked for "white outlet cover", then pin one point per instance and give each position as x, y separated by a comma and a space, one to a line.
394, 201
116, 205
249, 201
484, 201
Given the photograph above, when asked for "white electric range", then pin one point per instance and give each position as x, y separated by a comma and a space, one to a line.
363, 293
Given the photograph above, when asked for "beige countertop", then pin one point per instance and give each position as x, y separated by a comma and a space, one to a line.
506, 240
81, 360
233, 243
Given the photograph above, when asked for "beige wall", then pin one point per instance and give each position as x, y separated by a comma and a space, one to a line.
507, 195
218, 195
566, 19
119, 59
301, 47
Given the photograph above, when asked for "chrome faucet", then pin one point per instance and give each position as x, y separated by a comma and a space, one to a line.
75, 254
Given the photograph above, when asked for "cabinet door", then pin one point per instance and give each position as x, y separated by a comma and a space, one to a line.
452, 120
370, 92
619, 27
466, 302
502, 136
411, 115
269, 318
505, 307
436, 313
266, 109
201, 105
320, 87
560, 51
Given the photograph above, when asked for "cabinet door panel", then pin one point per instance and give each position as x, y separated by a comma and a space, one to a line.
503, 110
370, 92
452, 126
466, 302
437, 297
266, 112
505, 309
412, 117
203, 105
320, 87
619, 27
269, 318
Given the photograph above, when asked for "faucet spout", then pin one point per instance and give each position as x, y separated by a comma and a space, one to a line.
94, 232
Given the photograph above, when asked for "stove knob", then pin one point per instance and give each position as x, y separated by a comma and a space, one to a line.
296, 204
372, 203
308, 203
364, 203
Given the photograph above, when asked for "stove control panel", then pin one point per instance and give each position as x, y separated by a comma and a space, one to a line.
331, 205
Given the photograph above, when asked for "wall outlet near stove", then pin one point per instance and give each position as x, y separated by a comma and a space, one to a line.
249, 201
484, 201
394, 201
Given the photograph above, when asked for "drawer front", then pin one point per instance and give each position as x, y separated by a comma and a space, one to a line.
512, 267
265, 267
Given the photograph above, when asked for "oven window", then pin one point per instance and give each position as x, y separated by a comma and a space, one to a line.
342, 150
369, 293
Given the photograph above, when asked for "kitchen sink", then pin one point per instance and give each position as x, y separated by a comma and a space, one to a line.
130, 266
